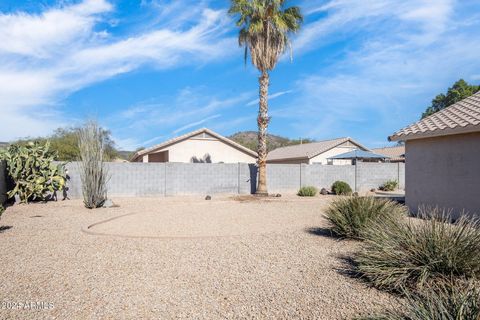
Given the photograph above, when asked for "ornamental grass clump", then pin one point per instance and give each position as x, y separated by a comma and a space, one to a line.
415, 253
390, 185
93, 172
443, 301
350, 217
308, 191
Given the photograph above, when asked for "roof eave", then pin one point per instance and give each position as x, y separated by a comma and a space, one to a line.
436, 133
338, 144
296, 158
189, 135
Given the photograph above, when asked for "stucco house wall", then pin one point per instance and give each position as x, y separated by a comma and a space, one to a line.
323, 157
444, 171
315, 152
199, 147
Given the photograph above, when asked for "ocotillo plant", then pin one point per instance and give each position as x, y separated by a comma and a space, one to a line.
93, 172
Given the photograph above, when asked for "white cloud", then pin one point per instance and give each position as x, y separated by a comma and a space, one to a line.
408, 53
425, 17
45, 57
45, 34
188, 108
270, 97
196, 123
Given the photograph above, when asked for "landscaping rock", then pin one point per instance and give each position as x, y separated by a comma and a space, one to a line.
208, 198
278, 195
324, 191
108, 204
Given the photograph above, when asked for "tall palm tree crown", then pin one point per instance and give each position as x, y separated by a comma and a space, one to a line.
265, 26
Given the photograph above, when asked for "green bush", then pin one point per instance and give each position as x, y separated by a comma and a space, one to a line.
349, 217
444, 301
341, 188
413, 253
307, 191
33, 172
389, 185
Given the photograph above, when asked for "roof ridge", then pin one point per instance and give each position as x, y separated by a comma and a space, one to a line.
463, 115
191, 134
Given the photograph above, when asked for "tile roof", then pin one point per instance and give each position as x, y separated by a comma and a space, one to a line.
394, 153
308, 150
461, 117
192, 134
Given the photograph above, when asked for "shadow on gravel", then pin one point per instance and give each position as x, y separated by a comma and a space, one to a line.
4, 228
348, 267
322, 232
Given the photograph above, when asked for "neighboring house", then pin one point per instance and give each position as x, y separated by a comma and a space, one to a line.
200, 146
315, 152
443, 152
396, 154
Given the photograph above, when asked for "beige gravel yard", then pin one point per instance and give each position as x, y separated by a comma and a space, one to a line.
178, 258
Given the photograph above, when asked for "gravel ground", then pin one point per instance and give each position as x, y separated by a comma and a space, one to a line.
177, 258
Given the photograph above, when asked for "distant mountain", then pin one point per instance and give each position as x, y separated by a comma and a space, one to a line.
249, 139
125, 155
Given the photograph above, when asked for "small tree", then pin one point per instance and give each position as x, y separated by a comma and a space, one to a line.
93, 172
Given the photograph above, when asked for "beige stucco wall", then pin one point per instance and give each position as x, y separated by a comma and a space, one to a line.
219, 151
444, 171
323, 158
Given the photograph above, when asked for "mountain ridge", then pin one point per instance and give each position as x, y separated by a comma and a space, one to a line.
249, 140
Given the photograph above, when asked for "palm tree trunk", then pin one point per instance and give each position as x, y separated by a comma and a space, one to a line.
262, 121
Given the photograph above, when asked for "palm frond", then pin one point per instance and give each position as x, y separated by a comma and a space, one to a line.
265, 26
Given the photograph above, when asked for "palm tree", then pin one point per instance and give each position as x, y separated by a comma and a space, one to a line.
265, 26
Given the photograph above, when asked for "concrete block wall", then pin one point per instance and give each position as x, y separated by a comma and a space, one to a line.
283, 177
201, 178
168, 179
125, 179
401, 175
323, 176
372, 175
3, 182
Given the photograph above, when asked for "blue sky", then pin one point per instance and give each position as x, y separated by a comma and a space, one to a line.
150, 70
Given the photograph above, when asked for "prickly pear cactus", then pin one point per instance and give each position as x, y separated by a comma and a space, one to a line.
33, 171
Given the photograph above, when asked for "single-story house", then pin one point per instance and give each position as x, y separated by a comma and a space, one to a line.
395, 154
200, 146
315, 152
443, 152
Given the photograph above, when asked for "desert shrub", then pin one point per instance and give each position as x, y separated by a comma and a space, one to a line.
349, 217
32, 170
414, 253
444, 301
308, 191
341, 188
389, 185
93, 172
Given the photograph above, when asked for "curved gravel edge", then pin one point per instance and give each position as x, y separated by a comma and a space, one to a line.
87, 230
